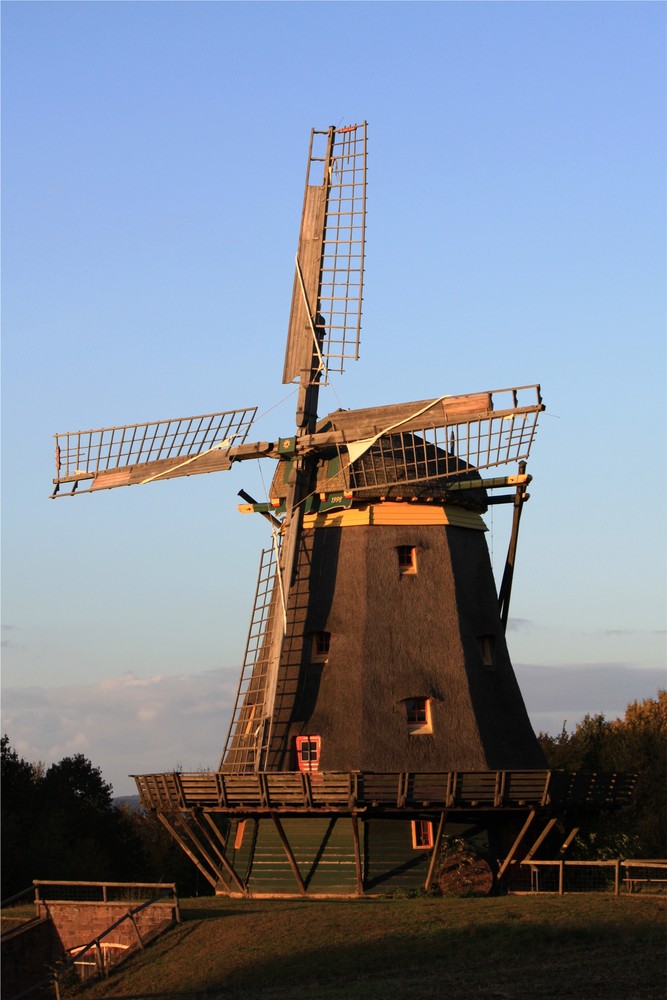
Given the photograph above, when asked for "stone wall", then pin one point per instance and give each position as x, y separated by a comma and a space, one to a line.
79, 923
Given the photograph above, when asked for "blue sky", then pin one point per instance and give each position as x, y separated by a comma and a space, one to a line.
153, 167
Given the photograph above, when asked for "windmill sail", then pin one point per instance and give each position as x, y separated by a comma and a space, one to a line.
439, 442
328, 283
439, 439
139, 453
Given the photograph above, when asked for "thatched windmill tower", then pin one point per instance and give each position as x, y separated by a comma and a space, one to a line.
377, 707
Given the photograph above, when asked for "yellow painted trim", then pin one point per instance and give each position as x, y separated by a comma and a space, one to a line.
396, 514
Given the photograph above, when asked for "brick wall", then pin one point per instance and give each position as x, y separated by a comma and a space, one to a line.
78, 923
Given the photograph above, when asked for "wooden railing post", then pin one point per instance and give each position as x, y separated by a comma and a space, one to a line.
133, 921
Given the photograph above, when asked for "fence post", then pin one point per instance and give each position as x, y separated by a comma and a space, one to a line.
178, 908
99, 957
104, 892
561, 870
136, 928
617, 876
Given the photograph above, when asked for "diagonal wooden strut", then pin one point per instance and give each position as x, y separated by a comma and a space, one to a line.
436, 850
288, 853
517, 843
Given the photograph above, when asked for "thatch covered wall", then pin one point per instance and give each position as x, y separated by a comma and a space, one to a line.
395, 637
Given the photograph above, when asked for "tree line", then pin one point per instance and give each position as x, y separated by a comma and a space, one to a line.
60, 822
637, 743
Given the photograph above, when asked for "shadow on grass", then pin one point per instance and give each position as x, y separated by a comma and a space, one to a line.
348, 951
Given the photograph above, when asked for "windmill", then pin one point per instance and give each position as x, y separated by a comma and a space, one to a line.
377, 709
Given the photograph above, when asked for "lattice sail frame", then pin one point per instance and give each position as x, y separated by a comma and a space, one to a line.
328, 284
435, 444
341, 289
83, 455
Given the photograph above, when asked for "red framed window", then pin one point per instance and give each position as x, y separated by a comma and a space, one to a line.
308, 752
422, 834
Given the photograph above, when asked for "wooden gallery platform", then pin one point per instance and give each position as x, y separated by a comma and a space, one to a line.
325, 834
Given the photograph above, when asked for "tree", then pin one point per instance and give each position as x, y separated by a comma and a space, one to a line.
635, 744
61, 822
78, 780
19, 801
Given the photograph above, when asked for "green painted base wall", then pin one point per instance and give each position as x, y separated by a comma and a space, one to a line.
324, 852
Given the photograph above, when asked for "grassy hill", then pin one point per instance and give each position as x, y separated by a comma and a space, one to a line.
533, 948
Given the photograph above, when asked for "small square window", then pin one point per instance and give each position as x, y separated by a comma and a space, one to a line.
308, 752
486, 645
320, 643
422, 834
407, 559
418, 713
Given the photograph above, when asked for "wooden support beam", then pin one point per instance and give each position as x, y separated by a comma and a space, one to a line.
216, 841
193, 857
99, 958
436, 849
403, 784
515, 846
357, 856
288, 852
172, 831
307, 789
212, 844
542, 837
508, 574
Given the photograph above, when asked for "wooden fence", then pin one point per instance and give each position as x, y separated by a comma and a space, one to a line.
612, 876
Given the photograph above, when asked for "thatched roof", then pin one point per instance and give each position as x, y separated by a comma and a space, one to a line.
395, 466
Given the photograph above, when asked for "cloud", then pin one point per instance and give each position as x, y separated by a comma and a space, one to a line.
519, 624
138, 725
126, 724
554, 695
7, 642
634, 631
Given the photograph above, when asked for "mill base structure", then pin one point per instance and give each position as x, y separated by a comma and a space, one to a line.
355, 834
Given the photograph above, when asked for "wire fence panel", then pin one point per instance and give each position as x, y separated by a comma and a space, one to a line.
614, 876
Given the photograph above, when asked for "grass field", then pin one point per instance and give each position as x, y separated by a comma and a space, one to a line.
584, 947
